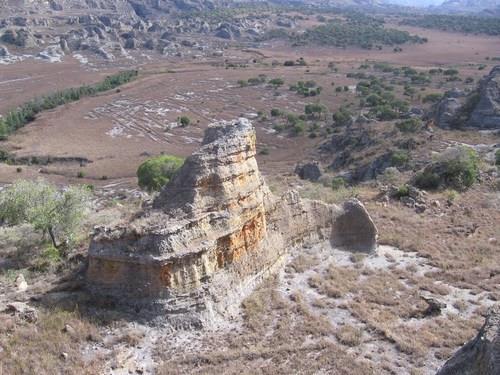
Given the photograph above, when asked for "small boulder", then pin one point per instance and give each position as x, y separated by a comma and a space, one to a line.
21, 283
309, 171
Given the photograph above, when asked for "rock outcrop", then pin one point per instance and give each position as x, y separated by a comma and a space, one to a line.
309, 171
486, 114
213, 233
479, 109
481, 355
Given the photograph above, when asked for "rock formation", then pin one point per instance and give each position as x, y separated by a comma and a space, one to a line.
481, 355
213, 233
486, 114
480, 109
309, 171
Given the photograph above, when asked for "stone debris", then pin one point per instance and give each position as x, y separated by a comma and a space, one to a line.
22, 310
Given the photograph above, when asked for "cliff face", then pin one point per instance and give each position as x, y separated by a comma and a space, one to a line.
213, 233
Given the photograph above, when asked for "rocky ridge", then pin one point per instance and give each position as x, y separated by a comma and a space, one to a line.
212, 234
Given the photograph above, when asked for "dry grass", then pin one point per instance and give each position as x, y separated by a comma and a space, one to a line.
37, 348
280, 337
302, 262
335, 282
457, 241
349, 335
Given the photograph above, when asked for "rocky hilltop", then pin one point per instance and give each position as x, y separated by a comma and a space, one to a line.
213, 233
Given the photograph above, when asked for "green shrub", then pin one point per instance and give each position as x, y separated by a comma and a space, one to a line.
155, 172
275, 112
403, 191
314, 110
432, 98
400, 158
185, 121
497, 157
410, 125
298, 127
276, 82
338, 183
427, 179
342, 117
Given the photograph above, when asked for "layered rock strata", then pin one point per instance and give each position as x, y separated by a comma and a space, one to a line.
213, 233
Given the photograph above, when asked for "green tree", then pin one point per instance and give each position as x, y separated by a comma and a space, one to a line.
53, 212
156, 172
342, 117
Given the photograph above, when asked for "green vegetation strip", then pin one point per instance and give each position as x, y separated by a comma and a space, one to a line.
27, 112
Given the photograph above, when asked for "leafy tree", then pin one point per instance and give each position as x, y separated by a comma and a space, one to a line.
53, 212
342, 117
156, 172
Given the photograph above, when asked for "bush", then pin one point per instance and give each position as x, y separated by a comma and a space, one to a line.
497, 157
275, 112
155, 172
298, 128
314, 110
276, 82
399, 158
338, 183
390, 176
456, 168
432, 98
410, 125
184, 121
56, 213
342, 117
403, 191
427, 179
